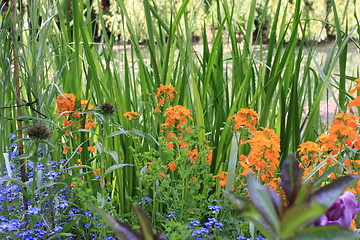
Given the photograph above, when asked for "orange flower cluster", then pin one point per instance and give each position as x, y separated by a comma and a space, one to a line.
309, 152
66, 103
356, 101
131, 115
312, 154
264, 154
176, 117
246, 118
223, 178
172, 166
342, 134
163, 92
193, 154
171, 136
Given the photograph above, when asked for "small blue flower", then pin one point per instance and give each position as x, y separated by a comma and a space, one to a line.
145, 199
194, 224
172, 215
75, 210
201, 231
214, 209
87, 213
33, 210
86, 225
13, 155
58, 228
12, 136
62, 205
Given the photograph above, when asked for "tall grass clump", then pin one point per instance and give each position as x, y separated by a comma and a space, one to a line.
140, 113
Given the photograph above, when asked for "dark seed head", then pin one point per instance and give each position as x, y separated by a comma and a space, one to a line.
107, 108
38, 131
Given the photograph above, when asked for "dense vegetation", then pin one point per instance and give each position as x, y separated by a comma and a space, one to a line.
92, 118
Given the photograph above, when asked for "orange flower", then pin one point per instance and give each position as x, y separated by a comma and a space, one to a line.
170, 135
91, 149
193, 154
354, 103
162, 175
72, 185
163, 92
149, 167
89, 125
309, 152
79, 163
96, 172
184, 145
131, 115
244, 118
66, 149
65, 102
80, 150
166, 90
170, 146
223, 178
172, 166
68, 122
209, 157
343, 132
264, 154
84, 104
177, 116
357, 87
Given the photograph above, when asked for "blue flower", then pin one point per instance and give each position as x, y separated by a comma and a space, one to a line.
86, 225
62, 205
214, 209
201, 231
194, 224
145, 199
33, 210
12, 136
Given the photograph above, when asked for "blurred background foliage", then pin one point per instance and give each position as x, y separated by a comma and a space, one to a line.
202, 13
318, 14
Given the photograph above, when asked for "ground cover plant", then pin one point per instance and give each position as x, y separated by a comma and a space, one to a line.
174, 129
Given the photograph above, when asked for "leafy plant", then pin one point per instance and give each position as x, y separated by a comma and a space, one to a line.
125, 232
294, 218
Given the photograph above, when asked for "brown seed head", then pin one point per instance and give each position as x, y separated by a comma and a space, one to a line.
107, 108
38, 131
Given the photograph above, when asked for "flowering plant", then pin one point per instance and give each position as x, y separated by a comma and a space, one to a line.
304, 214
341, 212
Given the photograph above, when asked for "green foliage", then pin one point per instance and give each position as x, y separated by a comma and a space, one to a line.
125, 232
57, 53
293, 220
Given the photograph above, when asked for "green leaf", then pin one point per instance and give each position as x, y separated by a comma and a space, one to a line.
290, 177
61, 235
116, 166
332, 232
121, 230
113, 134
144, 222
298, 217
263, 202
114, 155
248, 210
328, 194
304, 194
